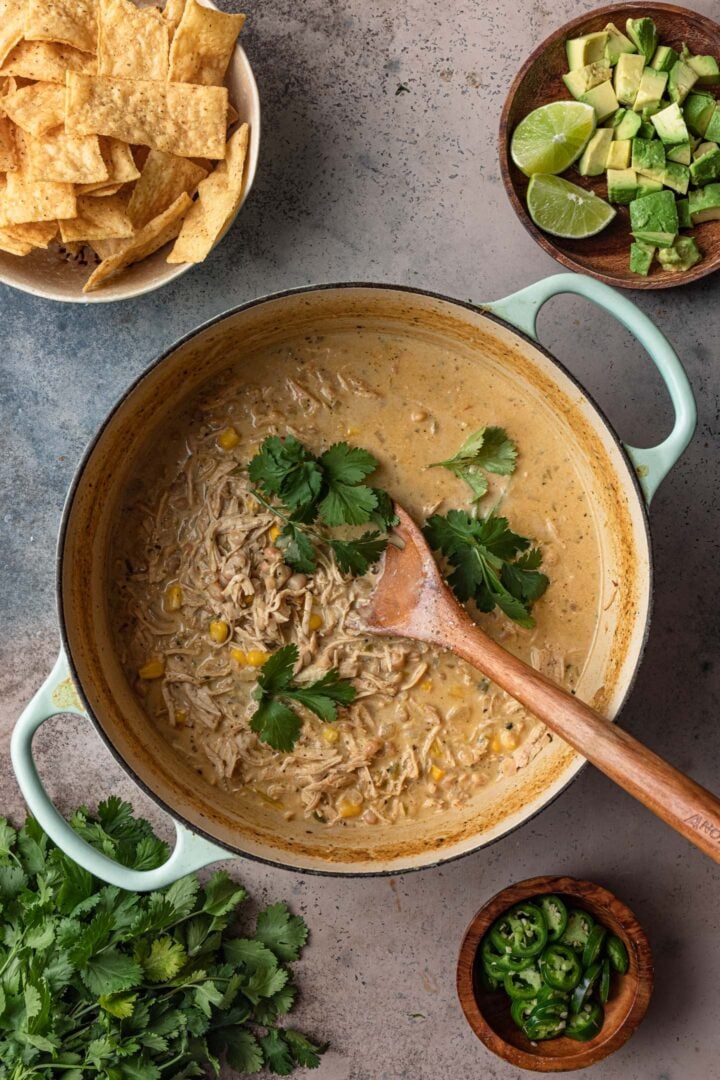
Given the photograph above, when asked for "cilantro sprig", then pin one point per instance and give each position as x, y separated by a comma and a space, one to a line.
308, 492
488, 566
97, 982
275, 721
488, 450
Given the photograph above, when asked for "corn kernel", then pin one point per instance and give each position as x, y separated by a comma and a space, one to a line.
273, 533
349, 810
219, 631
173, 598
181, 716
457, 693
352, 431
154, 669
228, 439
331, 735
508, 740
426, 685
315, 621
239, 656
436, 773
257, 657
436, 748
496, 745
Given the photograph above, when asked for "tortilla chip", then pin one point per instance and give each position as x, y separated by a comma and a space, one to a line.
105, 248
163, 179
36, 233
66, 159
232, 114
12, 25
173, 13
203, 44
133, 43
219, 197
37, 108
69, 22
46, 61
181, 119
119, 160
97, 191
147, 240
12, 245
8, 149
35, 200
98, 219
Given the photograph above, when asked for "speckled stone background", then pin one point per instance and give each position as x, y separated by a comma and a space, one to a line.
357, 182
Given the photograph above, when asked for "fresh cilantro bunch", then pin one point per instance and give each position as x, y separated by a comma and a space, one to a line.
98, 982
275, 721
489, 450
328, 489
487, 565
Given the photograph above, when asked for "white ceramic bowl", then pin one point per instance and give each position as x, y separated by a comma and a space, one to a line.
59, 277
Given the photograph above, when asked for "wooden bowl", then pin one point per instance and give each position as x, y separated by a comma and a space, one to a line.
488, 1013
539, 81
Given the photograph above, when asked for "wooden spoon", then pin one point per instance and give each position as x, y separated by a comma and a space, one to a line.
411, 600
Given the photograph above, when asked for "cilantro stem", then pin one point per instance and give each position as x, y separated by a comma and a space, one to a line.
307, 529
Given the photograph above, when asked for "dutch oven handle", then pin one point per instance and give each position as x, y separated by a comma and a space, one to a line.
58, 696
653, 463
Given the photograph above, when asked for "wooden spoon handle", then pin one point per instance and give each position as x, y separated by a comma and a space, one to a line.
684, 805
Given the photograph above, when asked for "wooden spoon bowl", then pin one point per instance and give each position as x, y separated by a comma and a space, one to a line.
539, 81
489, 1013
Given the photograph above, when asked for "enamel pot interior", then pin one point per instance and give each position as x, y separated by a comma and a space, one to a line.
142, 420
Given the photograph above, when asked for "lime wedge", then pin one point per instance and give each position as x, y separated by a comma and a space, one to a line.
564, 209
552, 137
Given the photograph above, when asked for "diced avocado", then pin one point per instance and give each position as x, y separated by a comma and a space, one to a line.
594, 157
628, 73
703, 148
683, 209
617, 44
628, 126
664, 58
622, 186
705, 169
697, 110
712, 131
682, 153
641, 257
619, 154
681, 81
705, 204
587, 49
670, 125
646, 186
643, 33
706, 68
617, 118
650, 91
646, 130
654, 218
603, 100
648, 155
683, 254
583, 79
676, 176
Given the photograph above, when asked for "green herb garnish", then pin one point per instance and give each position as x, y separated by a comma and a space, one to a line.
488, 450
98, 982
488, 566
275, 721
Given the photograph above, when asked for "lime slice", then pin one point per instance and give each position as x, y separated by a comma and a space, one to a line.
564, 209
552, 137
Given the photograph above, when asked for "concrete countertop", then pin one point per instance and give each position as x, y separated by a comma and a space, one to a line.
359, 182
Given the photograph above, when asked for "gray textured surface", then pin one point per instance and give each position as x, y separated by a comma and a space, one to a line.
356, 182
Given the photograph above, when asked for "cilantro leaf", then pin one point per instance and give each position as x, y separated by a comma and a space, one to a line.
276, 724
490, 449
276, 673
166, 958
343, 464
323, 696
348, 505
284, 467
297, 549
7, 837
222, 894
242, 1051
357, 556
111, 971
277, 1053
283, 933
303, 1051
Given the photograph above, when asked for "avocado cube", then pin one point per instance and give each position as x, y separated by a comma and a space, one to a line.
676, 176
646, 186
664, 58
683, 209
682, 153
583, 79
681, 80
706, 68
705, 204
646, 130
628, 126
683, 254
619, 154
643, 34
594, 157
650, 91
641, 257
712, 131
648, 155
703, 148
628, 73
705, 169
588, 49
603, 100
697, 110
617, 44
616, 118
670, 125
622, 186
653, 218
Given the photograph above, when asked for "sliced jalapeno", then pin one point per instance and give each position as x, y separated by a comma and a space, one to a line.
523, 984
521, 1008
496, 965
604, 990
549, 994
593, 945
546, 1021
560, 967
583, 990
522, 931
556, 915
617, 954
578, 929
586, 1024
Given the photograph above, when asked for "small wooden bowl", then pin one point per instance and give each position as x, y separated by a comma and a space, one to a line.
539, 81
489, 1013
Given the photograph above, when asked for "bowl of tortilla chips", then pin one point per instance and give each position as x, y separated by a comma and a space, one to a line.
129, 140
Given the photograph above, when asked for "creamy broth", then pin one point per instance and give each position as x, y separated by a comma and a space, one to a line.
192, 546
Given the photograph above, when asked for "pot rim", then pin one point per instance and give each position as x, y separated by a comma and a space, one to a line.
90, 449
